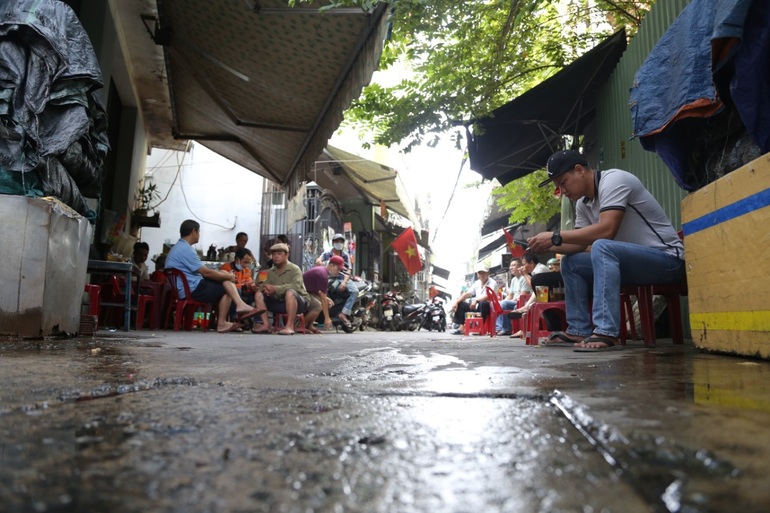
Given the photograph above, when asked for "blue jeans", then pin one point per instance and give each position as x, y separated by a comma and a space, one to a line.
601, 272
352, 291
503, 322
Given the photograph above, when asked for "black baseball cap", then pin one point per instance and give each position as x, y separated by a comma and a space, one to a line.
561, 162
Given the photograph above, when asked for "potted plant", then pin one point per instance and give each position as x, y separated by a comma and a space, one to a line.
146, 198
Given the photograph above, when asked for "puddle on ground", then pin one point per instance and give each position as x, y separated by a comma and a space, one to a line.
422, 432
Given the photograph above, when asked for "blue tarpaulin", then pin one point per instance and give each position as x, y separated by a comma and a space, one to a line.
714, 56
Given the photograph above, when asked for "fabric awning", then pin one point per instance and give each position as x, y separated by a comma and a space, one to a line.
264, 84
517, 138
351, 176
441, 272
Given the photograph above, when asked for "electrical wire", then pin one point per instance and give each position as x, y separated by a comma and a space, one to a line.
449, 202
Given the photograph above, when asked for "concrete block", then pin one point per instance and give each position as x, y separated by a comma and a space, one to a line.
44, 248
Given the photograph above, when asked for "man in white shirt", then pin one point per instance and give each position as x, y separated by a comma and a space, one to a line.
479, 301
518, 286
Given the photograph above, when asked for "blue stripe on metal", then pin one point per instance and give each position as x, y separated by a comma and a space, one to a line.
731, 211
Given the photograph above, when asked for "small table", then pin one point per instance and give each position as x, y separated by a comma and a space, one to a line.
110, 267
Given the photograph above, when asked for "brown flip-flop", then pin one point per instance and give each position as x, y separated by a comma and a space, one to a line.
234, 328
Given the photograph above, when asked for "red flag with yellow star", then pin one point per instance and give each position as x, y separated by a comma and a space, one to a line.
515, 250
405, 245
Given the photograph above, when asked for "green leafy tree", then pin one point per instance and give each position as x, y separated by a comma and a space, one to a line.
526, 201
464, 58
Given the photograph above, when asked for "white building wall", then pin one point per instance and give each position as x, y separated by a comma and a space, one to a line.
222, 196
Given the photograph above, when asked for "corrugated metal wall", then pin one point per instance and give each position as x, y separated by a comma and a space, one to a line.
615, 149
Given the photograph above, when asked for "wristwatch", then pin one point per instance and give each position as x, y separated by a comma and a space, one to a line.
556, 238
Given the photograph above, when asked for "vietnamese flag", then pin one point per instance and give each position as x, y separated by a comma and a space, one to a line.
405, 245
515, 250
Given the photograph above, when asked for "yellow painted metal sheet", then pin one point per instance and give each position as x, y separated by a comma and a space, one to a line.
727, 237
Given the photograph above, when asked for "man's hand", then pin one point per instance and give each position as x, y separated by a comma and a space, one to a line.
541, 242
268, 289
343, 286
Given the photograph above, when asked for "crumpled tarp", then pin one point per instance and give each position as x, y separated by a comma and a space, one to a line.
707, 75
53, 125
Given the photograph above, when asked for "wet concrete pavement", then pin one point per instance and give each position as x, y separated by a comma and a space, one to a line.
377, 422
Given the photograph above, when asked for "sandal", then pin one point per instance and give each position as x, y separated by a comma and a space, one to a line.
560, 339
234, 328
609, 345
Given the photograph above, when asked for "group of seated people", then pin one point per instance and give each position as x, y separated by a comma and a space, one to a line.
285, 290
526, 273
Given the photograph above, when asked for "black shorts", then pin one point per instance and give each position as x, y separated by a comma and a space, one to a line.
208, 291
276, 306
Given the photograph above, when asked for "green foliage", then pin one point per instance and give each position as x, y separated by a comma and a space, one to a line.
526, 201
465, 58
146, 196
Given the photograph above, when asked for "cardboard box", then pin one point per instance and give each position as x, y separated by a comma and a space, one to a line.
727, 246
44, 255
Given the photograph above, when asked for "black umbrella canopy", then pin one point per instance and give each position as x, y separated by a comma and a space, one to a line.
517, 138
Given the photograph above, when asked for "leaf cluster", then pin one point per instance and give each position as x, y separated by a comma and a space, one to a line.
526, 201
465, 58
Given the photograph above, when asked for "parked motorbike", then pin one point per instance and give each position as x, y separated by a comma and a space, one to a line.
368, 304
434, 315
390, 307
409, 317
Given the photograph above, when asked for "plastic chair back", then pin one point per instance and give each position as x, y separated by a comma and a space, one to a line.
185, 308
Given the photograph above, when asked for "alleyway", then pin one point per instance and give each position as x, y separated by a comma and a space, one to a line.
377, 422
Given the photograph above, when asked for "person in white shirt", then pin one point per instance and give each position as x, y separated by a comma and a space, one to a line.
478, 299
518, 286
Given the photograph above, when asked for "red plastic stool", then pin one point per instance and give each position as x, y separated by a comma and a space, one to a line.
626, 318
94, 292
141, 308
473, 324
299, 322
535, 313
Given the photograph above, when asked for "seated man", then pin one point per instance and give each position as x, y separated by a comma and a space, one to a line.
283, 292
317, 283
343, 283
207, 285
632, 243
241, 239
478, 303
244, 282
139, 259
535, 274
518, 286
